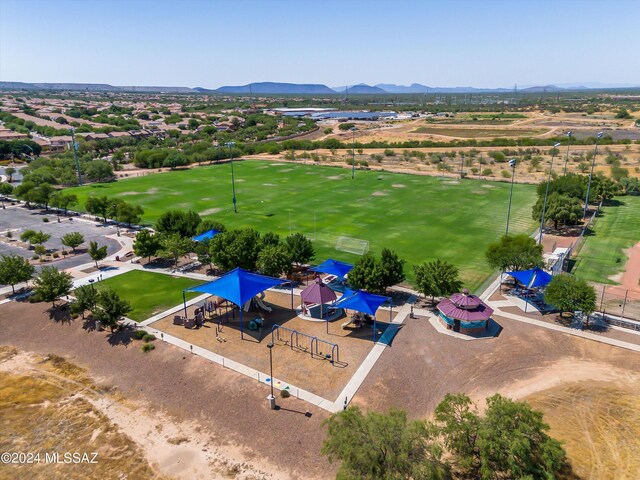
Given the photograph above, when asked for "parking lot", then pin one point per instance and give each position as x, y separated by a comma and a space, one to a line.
18, 219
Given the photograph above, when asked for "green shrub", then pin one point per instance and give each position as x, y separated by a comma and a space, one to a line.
505, 174
147, 347
45, 220
487, 172
285, 393
139, 334
9, 235
35, 257
56, 255
150, 337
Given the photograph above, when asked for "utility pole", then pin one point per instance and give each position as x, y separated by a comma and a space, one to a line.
74, 145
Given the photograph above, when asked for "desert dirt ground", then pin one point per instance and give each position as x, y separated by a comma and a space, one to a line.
228, 413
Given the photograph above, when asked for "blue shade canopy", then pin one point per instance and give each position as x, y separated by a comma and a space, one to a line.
206, 235
360, 301
333, 267
238, 286
534, 277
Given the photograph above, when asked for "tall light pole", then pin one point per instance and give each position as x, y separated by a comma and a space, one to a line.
512, 164
546, 193
233, 180
74, 145
271, 398
353, 152
115, 214
593, 163
566, 160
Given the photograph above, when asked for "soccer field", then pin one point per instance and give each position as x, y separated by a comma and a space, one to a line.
617, 229
420, 217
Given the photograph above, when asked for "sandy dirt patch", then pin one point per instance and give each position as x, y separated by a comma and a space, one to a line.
631, 275
398, 185
211, 211
335, 177
126, 194
152, 190
379, 194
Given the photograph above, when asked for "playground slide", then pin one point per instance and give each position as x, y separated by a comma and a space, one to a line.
263, 305
247, 306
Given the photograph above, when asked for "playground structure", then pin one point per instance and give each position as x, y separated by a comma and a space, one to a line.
306, 343
258, 300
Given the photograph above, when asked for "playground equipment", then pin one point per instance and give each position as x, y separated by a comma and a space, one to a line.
317, 347
259, 301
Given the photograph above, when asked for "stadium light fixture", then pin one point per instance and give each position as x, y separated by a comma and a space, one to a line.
512, 164
566, 160
353, 152
593, 163
546, 193
233, 181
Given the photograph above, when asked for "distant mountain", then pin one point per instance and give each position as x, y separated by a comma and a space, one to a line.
596, 85
542, 89
278, 88
361, 88
91, 87
413, 88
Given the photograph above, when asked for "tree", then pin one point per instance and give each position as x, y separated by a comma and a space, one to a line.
510, 441
174, 159
97, 252
174, 246
86, 298
391, 268
568, 293
9, 171
365, 274
182, 222
6, 188
34, 238
301, 248
274, 260
201, 249
603, 188
560, 209
64, 200
514, 252
110, 308
437, 278
72, 240
207, 224
52, 284
99, 170
98, 206
236, 248
570, 184
125, 212
382, 446
146, 244
623, 113
14, 269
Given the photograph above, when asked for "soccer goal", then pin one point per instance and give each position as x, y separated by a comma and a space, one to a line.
352, 245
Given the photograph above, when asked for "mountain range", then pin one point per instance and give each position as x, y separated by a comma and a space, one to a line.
280, 88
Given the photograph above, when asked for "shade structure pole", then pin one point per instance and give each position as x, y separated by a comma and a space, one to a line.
375, 327
241, 326
184, 302
291, 295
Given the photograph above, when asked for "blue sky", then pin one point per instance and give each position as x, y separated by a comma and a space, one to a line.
335, 42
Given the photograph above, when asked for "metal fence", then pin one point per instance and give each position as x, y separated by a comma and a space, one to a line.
618, 302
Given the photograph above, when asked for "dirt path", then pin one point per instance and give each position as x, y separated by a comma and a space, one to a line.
631, 275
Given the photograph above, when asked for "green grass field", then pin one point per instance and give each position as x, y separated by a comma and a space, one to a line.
617, 229
149, 293
420, 217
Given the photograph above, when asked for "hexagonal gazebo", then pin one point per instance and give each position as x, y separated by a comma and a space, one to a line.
464, 313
